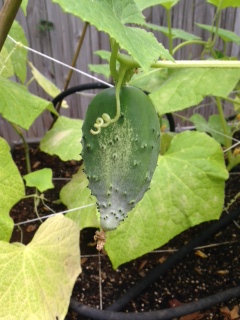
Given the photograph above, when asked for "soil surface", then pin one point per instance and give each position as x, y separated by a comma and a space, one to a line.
208, 270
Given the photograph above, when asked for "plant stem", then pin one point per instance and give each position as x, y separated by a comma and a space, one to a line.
221, 64
189, 42
113, 60
228, 141
7, 16
217, 19
76, 54
25, 144
169, 24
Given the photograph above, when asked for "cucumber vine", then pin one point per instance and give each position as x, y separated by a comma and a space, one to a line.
119, 77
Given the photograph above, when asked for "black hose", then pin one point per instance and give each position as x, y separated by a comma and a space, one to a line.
79, 88
99, 85
166, 314
159, 270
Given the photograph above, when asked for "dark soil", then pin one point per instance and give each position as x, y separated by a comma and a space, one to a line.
212, 269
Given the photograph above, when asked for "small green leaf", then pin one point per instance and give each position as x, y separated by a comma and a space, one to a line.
18, 105
24, 6
11, 189
18, 55
143, 4
41, 275
213, 126
75, 194
187, 189
102, 69
64, 139
200, 122
40, 179
6, 67
187, 87
226, 35
176, 33
225, 3
103, 54
111, 17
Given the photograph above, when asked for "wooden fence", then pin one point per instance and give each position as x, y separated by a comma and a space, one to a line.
60, 42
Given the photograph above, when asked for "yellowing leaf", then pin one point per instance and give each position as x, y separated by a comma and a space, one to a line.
48, 86
36, 280
64, 139
11, 189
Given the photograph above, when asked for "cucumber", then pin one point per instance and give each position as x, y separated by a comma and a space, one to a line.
120, 160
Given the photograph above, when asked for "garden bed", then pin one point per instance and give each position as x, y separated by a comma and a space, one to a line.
205, 271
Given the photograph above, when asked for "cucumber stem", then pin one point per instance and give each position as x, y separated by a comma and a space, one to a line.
170, 37
105, 120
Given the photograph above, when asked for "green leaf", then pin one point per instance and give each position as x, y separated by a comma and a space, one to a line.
24, 6
103, 54
187, 87
11, 189
6, 67
167, 4
18, 55
176, 33
200, 122
45, 84
225, 3
213, 127
64, 139
187, 189
75, 194
149, 81
40, 275
226, 35
216, 129
40, 179
18, 105
102, 69
111, 16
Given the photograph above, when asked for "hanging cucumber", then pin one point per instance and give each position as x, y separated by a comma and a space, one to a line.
120, 158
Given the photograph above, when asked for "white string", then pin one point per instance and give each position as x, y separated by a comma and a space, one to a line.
54, 214
59, 62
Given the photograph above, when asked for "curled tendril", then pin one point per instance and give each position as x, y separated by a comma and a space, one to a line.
103, 122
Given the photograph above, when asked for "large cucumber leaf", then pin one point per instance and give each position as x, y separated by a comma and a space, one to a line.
187, 188
18, 105
187, 87
37, 279
111, 17
11, 189
168, 4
